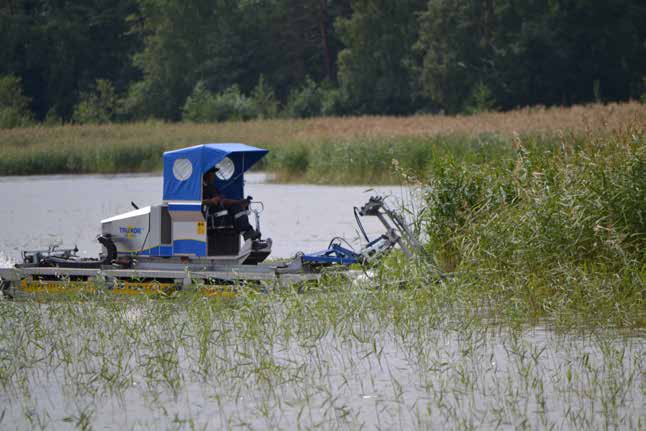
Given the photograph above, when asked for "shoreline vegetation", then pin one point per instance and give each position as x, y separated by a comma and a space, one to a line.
320, 150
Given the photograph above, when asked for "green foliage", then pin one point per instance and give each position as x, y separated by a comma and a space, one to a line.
481, 100
12, 117
52, 118
450, 50
143, 101
305, 101
14, 106
333, 101
529, 53
356, 56
60, 48
547, 223
98, 106
173, 34
203, 106
375, 66
197, 105
229, 43
294, 160
264, 99
313, 100
98, 158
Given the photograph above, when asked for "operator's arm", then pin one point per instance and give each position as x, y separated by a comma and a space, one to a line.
219, 200
229, 202
214, 201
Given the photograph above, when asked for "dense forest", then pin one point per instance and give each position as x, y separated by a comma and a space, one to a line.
212, 60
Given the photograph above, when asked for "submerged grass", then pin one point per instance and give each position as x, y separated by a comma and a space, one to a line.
337, 356
324, 150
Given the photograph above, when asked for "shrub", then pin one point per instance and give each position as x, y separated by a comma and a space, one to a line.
14, 106
203, 106
265, 99
196, 107
140, 102
333, 101
98, 106
231, 104
481, 100
305, 101
52, 118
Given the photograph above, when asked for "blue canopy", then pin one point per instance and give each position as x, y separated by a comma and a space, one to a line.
183, 170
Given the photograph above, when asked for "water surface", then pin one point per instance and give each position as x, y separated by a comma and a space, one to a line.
44, 210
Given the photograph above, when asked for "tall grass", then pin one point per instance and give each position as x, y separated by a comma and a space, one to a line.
327, 150
548, 230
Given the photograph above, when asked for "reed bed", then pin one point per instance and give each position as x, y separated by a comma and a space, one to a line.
335, 357
362, 149
547, 231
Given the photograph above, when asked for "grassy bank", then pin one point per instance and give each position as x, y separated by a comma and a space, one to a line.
326, 150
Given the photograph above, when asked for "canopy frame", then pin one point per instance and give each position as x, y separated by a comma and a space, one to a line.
184, 168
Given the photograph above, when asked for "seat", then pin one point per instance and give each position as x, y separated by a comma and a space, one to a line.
223, 239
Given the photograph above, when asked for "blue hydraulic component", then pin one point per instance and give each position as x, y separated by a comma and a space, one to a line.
334, 254
397, 233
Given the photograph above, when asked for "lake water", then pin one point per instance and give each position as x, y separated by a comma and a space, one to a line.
285, 364
44, 210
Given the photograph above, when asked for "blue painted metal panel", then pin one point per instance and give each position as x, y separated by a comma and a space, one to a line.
184, 207
189, 246
166, 250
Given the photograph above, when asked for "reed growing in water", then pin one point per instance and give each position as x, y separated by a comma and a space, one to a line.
324, 150
556, 230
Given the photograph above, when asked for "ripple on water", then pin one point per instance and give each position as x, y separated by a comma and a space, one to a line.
6, 261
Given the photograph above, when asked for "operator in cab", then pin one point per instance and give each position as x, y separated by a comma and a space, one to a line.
237, 208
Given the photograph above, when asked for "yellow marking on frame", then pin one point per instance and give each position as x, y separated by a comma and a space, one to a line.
145, 288
56, 286
201, 228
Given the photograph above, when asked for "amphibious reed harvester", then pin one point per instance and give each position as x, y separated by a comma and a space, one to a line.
180, 243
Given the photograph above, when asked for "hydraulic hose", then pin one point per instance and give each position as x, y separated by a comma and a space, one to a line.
359, 223
106, 242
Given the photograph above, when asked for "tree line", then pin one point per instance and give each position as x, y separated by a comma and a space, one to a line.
213, 60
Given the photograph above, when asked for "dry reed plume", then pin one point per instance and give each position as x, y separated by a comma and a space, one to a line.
362, 147
527, 120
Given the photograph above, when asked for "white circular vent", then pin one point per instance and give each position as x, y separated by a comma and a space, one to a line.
226, 168
182, 169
